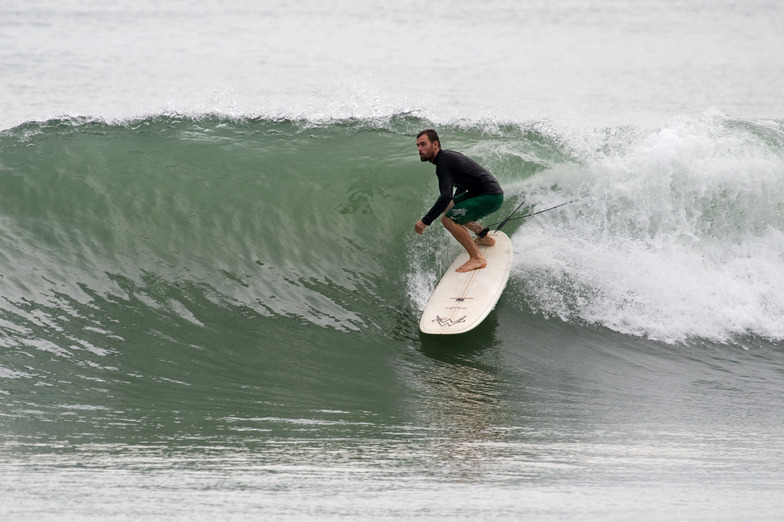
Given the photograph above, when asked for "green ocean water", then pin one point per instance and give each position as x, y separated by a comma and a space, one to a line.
217, 317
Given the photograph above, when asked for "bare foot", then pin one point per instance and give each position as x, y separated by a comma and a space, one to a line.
485, 241
472, 264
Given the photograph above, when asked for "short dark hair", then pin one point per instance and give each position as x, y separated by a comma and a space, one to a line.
431, 135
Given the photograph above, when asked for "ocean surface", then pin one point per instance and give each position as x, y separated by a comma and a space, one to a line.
210, 284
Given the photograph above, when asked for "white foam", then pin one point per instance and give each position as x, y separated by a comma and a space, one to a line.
677, 235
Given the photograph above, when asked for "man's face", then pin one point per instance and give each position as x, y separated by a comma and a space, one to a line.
427, 148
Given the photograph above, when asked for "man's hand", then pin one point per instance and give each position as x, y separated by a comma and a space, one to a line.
420, 227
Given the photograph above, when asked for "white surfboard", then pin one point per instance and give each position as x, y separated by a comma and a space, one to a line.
461, 301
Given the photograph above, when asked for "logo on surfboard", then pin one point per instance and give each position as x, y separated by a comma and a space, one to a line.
448, 322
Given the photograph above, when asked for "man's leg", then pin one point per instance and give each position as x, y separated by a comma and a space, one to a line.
476, 259
476, 228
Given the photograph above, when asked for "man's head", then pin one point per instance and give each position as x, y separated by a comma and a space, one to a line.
428, 144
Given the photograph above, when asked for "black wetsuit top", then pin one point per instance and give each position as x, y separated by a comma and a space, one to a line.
457, 171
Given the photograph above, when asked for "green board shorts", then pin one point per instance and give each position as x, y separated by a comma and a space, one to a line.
468, 209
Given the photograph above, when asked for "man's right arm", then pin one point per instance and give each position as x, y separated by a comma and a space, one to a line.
445, 187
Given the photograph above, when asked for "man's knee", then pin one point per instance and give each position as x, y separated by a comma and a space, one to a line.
447, 221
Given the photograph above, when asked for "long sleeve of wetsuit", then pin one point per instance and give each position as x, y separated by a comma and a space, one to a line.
446, 188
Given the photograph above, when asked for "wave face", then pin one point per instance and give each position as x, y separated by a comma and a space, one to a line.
674, 234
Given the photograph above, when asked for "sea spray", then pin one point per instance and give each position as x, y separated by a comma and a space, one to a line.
676, 235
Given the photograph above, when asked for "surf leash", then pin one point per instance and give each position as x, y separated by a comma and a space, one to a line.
509, 218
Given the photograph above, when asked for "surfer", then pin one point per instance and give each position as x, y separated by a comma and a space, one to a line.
468, 192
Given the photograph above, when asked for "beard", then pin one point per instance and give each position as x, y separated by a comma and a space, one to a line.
426, 157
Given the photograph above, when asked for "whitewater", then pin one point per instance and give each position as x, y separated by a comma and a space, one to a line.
210, 284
